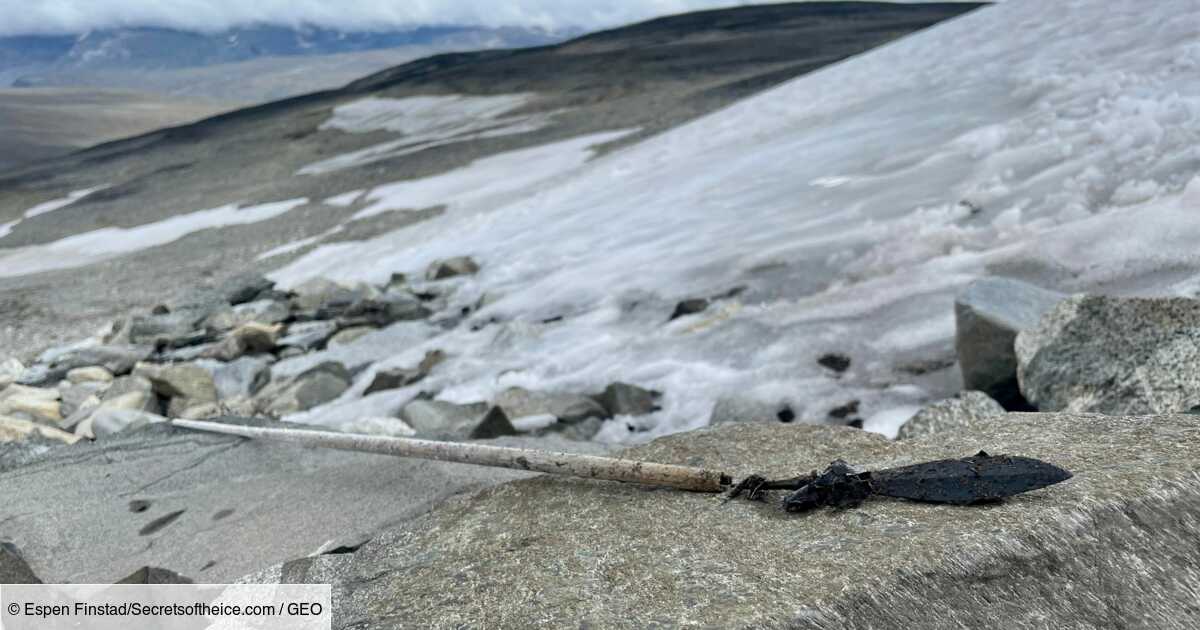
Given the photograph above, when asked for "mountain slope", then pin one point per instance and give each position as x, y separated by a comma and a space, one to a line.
649, 77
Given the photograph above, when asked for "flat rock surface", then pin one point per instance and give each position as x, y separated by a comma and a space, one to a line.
1112, 547
212, 508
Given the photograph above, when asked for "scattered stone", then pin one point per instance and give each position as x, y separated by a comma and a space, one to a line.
13, 568
186, 384
846, 411
569, 408
395, 378
246, 339
316, 386
450, 267
244, 287
954, 414
10, 370
108, 421
397, 282
440, 419
289, 352
377, 312
240, 378
132, 401
18, 429
154, 575
308, 336
1113, 355
202, 411
988, 315
925, 366
123, 385
93, 374
837, 362
623, 399
40, 376
117, 359
31, 402
169, 330
350, 335
82, 395
493, 425
261, 311
689, 307
318, 293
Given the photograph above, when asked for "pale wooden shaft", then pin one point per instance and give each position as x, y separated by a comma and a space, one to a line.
587, 466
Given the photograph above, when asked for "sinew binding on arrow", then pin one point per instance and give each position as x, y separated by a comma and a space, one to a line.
975, 479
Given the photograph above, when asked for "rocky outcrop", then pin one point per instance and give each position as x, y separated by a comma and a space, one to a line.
1113, 355
612, 555
988, 314
954, 414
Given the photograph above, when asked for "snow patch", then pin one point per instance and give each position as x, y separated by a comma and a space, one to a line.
426, 122
105, 243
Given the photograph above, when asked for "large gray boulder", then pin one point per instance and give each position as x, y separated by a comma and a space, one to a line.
558, 552
238, 505
315, 386
953, 414
1113, 355
988, 314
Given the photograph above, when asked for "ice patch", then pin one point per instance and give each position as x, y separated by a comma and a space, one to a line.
1056, 144
425, 122
103, 244
298, 244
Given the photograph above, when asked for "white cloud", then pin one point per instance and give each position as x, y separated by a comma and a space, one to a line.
75, 16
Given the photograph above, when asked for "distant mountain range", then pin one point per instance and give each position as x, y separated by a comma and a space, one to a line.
45, 60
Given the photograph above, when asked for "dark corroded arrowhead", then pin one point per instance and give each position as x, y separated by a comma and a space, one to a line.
968, 480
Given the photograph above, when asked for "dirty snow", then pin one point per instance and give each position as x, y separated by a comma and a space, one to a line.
98, 245
1060, 143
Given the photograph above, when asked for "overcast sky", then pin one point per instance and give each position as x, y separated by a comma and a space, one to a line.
74, 16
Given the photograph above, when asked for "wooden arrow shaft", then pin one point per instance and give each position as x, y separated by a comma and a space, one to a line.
586, 466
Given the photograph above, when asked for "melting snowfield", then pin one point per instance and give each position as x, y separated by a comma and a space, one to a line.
1058, 142
105, 243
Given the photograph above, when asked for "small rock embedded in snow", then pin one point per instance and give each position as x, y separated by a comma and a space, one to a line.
450, 267
988, 315
954, 414
394, 378
837, 362
518, 402
689, 307
1099, 354
308, 336
623, 399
